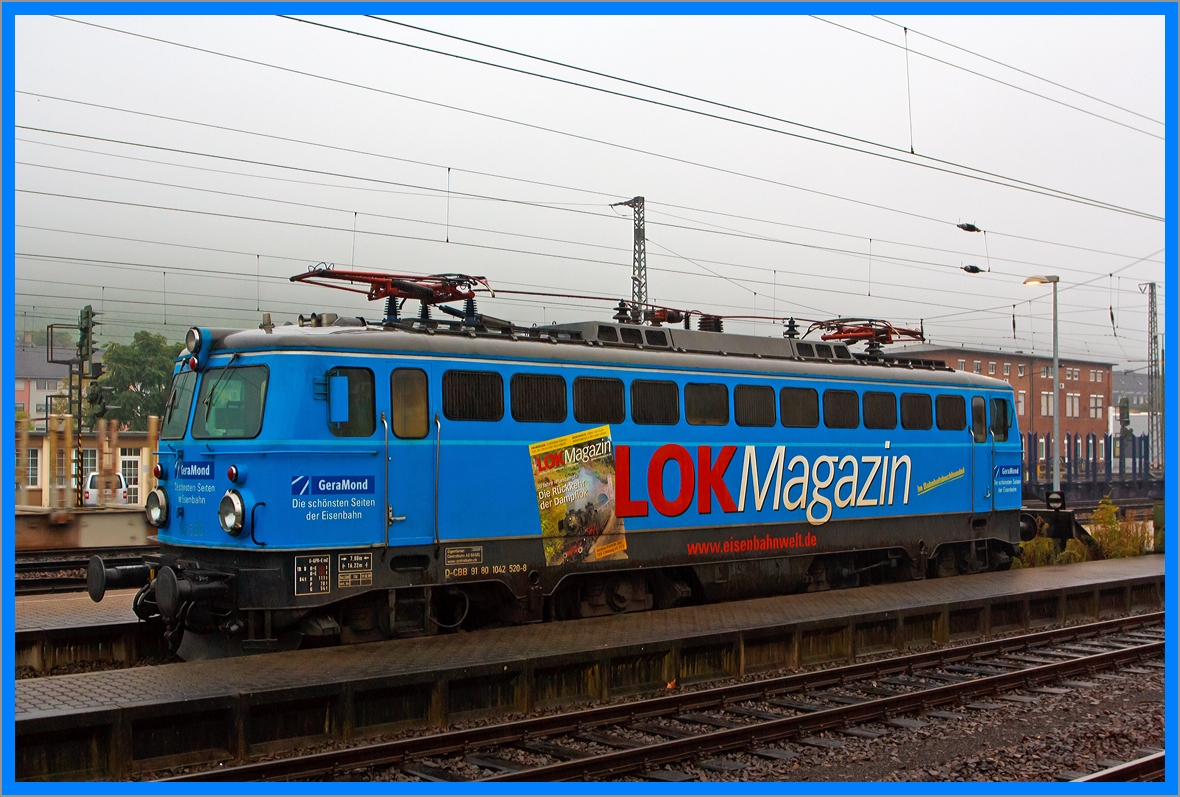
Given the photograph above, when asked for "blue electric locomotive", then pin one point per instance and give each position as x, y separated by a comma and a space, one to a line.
348, 481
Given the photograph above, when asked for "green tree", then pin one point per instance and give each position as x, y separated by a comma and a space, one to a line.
138, 376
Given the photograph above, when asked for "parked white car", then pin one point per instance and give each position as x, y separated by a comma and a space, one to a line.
90, 490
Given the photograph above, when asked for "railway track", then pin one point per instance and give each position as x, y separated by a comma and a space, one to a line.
638, 738
51, 570
48, 585
1148, 768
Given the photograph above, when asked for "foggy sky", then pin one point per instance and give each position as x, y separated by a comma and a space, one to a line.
145, 266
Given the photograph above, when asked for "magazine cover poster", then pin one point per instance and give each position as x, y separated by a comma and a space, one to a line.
575, 480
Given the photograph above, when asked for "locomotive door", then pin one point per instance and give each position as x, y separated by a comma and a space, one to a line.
982, 456
412, 437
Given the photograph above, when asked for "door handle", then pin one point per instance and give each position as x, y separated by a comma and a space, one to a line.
390, 519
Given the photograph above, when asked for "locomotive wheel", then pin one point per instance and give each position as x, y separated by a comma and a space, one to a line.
619, 592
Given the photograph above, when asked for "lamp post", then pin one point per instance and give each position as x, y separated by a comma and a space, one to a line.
1053, 279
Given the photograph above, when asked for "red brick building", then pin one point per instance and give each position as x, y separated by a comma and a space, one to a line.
1084, 386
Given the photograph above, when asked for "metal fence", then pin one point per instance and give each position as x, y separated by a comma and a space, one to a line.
1090, 459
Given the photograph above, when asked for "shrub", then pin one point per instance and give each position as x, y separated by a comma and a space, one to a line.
1037, 552
1075, 551
1117, 538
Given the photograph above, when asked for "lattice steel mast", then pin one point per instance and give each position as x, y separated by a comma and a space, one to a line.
639, 262
1155, 382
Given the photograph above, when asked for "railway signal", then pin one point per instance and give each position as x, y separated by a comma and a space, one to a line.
86, 325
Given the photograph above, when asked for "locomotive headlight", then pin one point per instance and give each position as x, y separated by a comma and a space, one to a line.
156, 507
192, 340
232, 512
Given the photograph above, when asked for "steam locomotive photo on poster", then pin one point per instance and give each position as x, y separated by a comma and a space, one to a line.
350, 480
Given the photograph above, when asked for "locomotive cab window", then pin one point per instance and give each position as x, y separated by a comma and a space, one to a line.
473, 396
706, 405
951, 413
753, 405
538, 398
916, 411
799, 407
1001, 420
361, 418
656, 403
180, 401
231, 403
598, 400
409, 403
880, 411
979, 419
841, 409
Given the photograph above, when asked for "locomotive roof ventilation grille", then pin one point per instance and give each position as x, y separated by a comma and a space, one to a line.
695, 341
667, 338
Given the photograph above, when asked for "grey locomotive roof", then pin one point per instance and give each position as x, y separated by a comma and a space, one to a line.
584, 343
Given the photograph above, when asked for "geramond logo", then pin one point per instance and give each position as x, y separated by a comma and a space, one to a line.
194, 470
797, 484
330, 485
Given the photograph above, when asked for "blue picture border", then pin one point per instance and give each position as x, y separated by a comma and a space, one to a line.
7, 407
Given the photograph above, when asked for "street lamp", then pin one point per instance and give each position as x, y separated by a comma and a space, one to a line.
1053, 279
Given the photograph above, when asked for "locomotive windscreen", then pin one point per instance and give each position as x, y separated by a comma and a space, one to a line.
180, 399
231, 403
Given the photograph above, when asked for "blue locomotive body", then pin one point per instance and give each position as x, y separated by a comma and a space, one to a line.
364, 481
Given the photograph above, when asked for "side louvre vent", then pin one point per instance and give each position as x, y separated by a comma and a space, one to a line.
538, 398
473, 396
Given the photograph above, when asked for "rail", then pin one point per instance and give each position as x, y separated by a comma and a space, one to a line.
41, 572
1148, 768
1095, 646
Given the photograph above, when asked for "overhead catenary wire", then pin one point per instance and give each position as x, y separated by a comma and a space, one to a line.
993, 79
974, 338
1017, 185
851, 253
284, 280
909, 262
138, 322
1021, 71
946, 166
427, 191
1072, 286
899, 261
684, 95
909, 102
272, 256
543, 253
540, 183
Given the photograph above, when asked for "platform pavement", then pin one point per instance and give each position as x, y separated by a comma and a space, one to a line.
71, 609
488, 649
